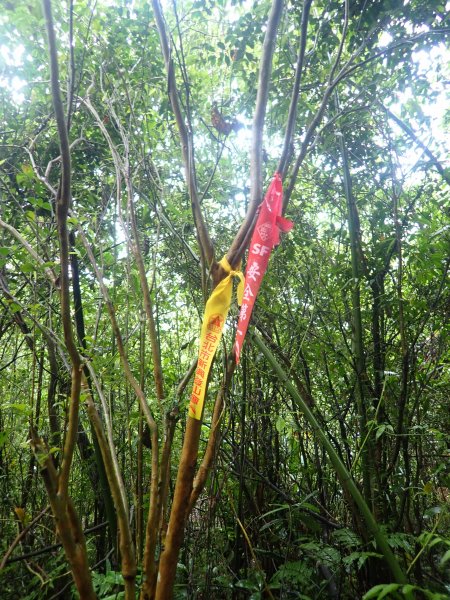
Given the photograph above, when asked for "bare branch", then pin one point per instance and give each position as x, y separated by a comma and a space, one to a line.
341, 43
109, 431
31, 251
256, 191
214, 437
58, 158
63, 201
20, 536
155, 503
128, 560
187, 147
122, 168
292, 116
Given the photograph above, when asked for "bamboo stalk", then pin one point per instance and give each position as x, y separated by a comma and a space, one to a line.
344, 476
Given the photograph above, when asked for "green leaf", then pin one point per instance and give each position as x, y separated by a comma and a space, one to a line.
246, 584
428, 488
3, 438
431, 512
20, 408
445, 558
346, 537
280, 424
380, 430
27, 267
408, 588
360, 558
381, 591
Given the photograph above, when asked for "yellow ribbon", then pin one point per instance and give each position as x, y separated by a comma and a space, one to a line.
216, 311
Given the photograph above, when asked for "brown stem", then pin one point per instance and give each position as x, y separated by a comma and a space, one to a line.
139, 490
62, 208
128, 560
345, 71
403, 400
341, 43
187, 148
306, 142
359, 352
123, 169
175, 532
31, 251
186, 469
67, 522
52, 407
149, 587
256, 192
151, 537
148, 304
171, 420
292, 116
153, 516
213, 440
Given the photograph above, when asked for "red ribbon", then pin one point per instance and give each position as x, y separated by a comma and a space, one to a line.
265, 237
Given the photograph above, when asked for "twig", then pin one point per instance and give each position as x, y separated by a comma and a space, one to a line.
205, 242
252, 551
19, 537
286, 152
234, 253
408, 130
49, 548
31, 251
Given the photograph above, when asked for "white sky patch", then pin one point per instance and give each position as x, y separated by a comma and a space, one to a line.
233, 14
14, 87
243, 137
433, 134
13, 57
385, 39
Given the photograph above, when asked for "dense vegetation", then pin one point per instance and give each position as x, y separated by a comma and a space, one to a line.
137, 140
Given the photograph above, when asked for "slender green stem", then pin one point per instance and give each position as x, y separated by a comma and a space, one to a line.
427, 541
372, 425
341, 470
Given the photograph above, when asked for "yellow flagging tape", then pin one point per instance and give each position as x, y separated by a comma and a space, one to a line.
216, 311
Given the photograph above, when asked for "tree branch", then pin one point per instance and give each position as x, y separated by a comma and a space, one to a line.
234, 254
62, 207
187, 147
442, 171
20, 536
292, 116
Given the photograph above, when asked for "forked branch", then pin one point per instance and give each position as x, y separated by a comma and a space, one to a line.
292, 116
187, 146
256, 190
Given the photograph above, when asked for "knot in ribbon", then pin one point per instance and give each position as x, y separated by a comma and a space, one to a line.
216, 311
227, 280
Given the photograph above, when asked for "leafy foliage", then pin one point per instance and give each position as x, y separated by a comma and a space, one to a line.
273, 515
